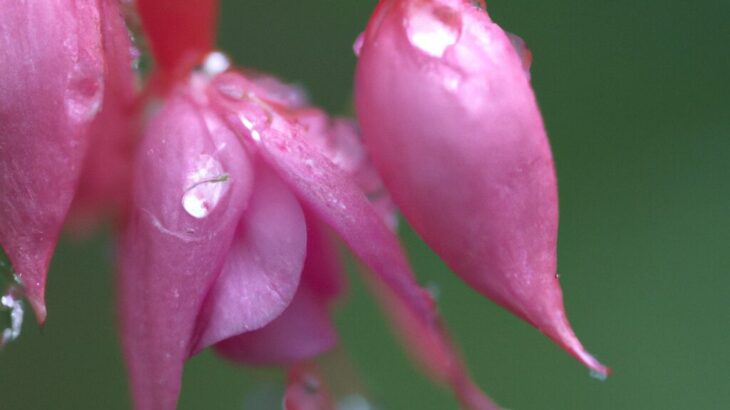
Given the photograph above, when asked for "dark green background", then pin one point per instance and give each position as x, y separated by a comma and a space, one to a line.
635, 97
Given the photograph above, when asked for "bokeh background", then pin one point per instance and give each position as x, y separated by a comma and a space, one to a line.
635, 95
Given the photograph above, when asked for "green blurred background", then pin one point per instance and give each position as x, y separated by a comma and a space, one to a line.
635, 97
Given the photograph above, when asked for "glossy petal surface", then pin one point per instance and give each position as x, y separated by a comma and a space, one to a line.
304, 330
262, 269
451, 121
51, 88
191, 186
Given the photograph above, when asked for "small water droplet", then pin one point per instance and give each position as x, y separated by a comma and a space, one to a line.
357, 46
434, 290
206, 186
248, 124
354, 402
215, 63
600, 376
523, 52
433, 28
480, 4
84, 88
11, 308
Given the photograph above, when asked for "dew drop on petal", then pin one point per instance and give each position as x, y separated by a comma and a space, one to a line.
354, 402
215, 63
433, 28
206, 186
11, 307
248, 124
357, 46
600, 376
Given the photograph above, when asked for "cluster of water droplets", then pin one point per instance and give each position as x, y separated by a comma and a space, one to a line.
11, 302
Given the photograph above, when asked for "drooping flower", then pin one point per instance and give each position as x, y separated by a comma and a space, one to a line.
232, 190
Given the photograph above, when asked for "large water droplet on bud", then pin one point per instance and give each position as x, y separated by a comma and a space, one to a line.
433, 28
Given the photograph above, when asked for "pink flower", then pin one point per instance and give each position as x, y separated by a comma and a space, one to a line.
231, 190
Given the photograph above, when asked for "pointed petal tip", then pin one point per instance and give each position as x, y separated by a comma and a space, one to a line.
38, 303
569, 341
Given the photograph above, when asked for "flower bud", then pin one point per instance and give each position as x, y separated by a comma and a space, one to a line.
452, 124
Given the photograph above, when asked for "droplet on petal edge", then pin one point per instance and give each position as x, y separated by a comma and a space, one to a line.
11, 304
215, 62
357, 46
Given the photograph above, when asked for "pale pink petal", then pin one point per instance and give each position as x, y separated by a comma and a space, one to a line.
262, 270
51, 87
452, 124
191, 186
304, 330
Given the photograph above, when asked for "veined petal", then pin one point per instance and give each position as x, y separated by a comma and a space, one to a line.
192, 184
51, 87
262, 270
304, 330
451, 121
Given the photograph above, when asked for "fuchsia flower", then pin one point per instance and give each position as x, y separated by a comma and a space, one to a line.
232, 190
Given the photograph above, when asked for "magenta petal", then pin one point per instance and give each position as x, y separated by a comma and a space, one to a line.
262, 270
304, 330
191, 187
452, 124
51, 87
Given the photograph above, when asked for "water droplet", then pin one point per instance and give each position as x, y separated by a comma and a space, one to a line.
480, 4
250, 127
11, 308
215, 63
206, 187
84, 88
357, 46
354, 402
522, 51
434, 290
600, 376
433, 28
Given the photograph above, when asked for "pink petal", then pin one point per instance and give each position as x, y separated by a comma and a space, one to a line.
262, 270
106, 175
191, 187
51, 87
452, 124
334, 198
304, 330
